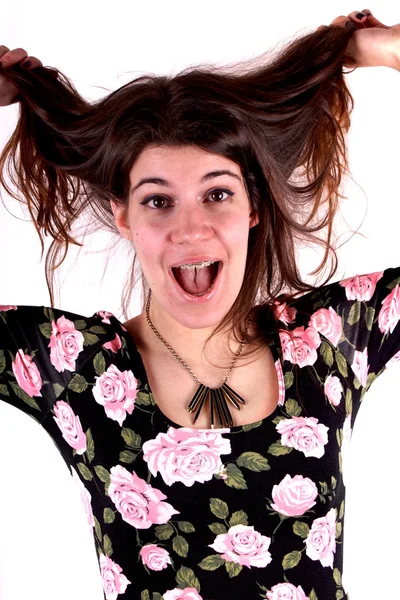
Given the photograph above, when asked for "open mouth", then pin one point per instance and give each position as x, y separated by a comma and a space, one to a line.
197, 281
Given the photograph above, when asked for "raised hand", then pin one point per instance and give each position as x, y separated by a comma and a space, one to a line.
10, 58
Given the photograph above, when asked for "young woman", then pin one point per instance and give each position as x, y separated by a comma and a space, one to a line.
205, 433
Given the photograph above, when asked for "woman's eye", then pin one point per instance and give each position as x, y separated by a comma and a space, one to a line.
157, 200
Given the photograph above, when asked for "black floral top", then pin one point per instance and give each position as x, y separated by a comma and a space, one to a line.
189, 514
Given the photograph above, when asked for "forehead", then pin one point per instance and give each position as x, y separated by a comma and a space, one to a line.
183, 161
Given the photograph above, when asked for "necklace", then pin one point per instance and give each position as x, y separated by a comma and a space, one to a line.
218, 398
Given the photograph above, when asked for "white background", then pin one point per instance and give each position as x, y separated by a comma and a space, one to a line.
46, 549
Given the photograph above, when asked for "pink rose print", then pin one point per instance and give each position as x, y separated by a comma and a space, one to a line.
187, 593
328, 323
361, 287
282, 312
389, 314
114, 582
299, 346
304, 434
4, 307
155, 558
114, 345
139, 503
86, 498
321, 539
243, 545
106, 316
186, 455
66, 343
333, 389
286, 591
116, 390
360, 366
70, 426
395, 359
294, 495
281, 383
27, 374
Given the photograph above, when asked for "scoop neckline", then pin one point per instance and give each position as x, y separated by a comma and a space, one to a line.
276, 351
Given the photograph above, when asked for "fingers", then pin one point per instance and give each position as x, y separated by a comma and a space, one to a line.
372, 21
10, 58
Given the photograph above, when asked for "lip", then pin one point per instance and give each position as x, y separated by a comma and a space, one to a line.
195, 259
198, 299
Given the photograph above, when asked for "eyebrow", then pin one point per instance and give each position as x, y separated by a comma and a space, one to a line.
206, 177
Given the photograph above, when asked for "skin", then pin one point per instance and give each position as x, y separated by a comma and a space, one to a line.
189, 221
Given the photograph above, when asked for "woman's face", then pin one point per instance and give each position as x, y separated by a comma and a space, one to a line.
186, 218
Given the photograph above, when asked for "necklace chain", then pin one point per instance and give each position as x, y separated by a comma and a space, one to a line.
178, 358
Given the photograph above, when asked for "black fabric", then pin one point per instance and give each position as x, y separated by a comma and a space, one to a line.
181, 513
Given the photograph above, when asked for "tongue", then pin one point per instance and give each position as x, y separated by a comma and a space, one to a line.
195, 282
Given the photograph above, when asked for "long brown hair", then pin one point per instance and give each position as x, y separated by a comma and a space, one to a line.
282, 117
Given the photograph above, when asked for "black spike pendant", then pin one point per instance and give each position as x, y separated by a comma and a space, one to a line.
217, 400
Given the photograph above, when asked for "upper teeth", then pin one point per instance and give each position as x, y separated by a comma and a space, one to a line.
199, 265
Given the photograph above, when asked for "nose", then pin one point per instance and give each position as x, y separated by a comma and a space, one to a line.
191, 225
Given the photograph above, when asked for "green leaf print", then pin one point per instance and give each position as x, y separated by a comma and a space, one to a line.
143, 399
276, 449
251, 426
370, 379
326, 353
186, 527
156, 596
23, 396
239, 517
312, 595
45, 330
144, 595
341, 511
84, 471
103, 475
164, 532
89, 445
78, 384
4, 390
180, 545
126, 456
369, 317
232, 568
49, 314
338, 530
80, 324
354, 314
218, 528
337, 576
291, 560
131, 439
339, 595
99, 363
108, 549
108, 515
278, 420
341, 363
301, 529
219, 508
235, 478
253, 461
349, 402
98, 329
58, 389
97, 529
288, 379
2, 361
185, 577
293, 408
212, 562
89, 339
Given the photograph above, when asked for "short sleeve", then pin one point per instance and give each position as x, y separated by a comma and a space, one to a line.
360, 315
41, 351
